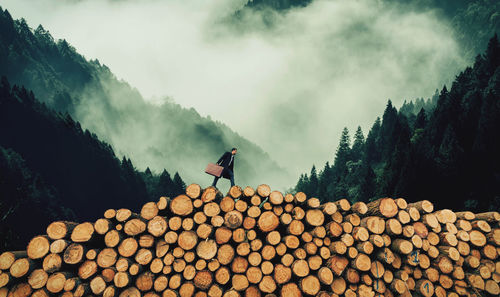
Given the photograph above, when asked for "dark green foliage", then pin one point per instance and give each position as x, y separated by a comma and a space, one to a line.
358, 145
26, 200
448, 152
51, 169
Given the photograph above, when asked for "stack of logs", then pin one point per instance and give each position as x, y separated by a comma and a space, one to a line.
261, 243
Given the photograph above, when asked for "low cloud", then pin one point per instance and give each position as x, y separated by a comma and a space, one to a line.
287, 81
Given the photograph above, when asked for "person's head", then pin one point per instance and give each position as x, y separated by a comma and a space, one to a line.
233, 151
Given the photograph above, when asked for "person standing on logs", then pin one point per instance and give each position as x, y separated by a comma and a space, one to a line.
226, 161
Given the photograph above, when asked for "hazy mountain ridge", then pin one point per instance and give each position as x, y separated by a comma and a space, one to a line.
447, 153
474, 22
165, 136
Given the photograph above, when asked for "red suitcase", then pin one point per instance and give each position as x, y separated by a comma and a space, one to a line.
214, 169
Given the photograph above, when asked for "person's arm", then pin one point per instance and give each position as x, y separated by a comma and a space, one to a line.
222, 158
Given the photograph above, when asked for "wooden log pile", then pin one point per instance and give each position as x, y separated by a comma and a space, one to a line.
262, 243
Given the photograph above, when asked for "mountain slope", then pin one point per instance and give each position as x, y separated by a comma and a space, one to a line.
450, 150
52, 169
165, 136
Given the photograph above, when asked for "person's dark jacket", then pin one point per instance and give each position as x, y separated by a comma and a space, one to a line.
225, 161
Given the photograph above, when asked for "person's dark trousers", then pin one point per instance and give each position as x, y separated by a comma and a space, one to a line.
231, 176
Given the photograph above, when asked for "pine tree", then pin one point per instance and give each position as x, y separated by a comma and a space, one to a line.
165, 186
421, 120
398, 158
492, 55
358, 145
179, 185
303, 184
343, 153
325, 180
313, 182
372, 145
387, 133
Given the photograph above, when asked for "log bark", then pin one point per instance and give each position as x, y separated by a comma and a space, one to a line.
423, 206
383, 207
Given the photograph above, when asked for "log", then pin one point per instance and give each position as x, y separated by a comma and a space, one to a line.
315, 217
55, 282
222, 275
120, 279
187, 240
343, 205
338, 264
383, 207
20, 290
128, 247
492, 287
445, 216
268, 221
490, 217
276, 198
207, 249
310, 285
290, 290
60, 229
97, 285
143, 256
210, 194
264, 244
8, 258
52, 263
477, 238
393, 227
162, 204
181, 205
239, 282
112, 238
82, 232
423, 206
313, 203
130, 292
263, 190
374, 224
362, 262
359, 208
330, 208
38, 278
403, 216
193, 191
267, 285
402, 246
234, 219
38, 247
157, 226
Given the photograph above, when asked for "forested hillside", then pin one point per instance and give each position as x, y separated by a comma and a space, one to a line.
448, 154
166, 136
52, 169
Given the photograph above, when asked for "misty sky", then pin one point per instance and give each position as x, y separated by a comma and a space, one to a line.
290, 88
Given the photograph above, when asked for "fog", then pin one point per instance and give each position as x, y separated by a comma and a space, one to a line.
287, 81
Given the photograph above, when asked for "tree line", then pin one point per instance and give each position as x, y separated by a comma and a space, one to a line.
447, 152
52, 169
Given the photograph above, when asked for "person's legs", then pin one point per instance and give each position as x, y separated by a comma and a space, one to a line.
231, 176
216, 179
